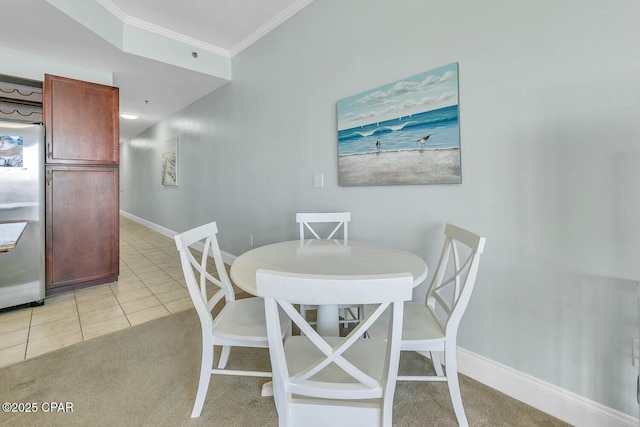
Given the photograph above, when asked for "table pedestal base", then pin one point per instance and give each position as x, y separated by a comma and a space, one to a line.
267, 389
328, 325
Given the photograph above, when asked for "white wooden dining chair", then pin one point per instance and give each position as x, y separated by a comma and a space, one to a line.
239, 323
341, 220
333, 381
309, 225
432, 328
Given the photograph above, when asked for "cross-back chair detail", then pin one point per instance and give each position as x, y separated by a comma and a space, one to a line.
341, 219
238, 323
332, 380
432, 327
460, 281
306, 220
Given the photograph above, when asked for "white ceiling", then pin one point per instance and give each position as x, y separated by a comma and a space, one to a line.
220, 27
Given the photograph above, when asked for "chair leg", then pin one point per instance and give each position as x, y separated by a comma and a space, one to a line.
361, 318
454, 387
205, 377
437, 365
284, 409
224, 357
350, 317
386, 417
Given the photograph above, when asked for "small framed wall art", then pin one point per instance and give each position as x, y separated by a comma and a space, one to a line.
169, 153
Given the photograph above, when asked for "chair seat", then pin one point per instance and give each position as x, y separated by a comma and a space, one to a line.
242, 319
239, 323
367, 354
419, 328
328, 380
447, 298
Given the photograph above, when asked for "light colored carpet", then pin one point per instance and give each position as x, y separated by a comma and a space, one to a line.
147, 376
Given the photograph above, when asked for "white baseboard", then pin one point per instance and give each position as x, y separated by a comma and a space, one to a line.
548, 398
226, 256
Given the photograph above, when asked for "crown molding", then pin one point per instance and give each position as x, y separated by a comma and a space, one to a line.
161, 31
295, 7
113, 9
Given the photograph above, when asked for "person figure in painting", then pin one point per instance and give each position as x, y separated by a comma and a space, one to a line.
423, 141
378, 144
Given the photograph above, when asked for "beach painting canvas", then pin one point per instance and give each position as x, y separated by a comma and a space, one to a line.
405, 132
11, 151
170, 162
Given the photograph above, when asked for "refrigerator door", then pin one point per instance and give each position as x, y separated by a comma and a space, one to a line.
22, 200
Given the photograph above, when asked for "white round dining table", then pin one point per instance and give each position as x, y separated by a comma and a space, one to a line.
326, 258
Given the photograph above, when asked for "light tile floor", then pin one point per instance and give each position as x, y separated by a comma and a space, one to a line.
150, 286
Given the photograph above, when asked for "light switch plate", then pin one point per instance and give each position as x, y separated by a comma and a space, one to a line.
318, 180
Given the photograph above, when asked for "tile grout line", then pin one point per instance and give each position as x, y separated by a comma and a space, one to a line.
143, 282
159, 268
133, 272
133, 235
26, 344
120, 305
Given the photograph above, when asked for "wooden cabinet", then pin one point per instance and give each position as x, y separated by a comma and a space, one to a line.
82, 122
82, 231
82, 183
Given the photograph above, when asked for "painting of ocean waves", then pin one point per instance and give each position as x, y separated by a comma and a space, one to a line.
405, 132
10, 151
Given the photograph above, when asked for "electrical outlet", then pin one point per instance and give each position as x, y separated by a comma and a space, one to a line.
636, 352
250, 239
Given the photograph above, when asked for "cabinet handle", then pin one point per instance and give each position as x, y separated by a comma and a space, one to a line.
49, 153
48, 179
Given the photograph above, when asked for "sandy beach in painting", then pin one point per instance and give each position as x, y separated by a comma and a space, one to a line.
401, 167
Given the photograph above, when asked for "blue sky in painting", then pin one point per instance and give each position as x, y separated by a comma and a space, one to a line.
431, 90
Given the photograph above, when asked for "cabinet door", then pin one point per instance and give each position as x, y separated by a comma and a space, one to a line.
82, 122
82, 225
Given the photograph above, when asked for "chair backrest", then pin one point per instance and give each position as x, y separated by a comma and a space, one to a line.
200, 282
285, 289
453, 283
341, 218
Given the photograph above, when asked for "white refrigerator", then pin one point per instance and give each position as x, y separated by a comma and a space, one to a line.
22, 267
